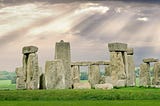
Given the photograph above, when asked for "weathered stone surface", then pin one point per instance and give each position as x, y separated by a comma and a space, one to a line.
76, 74
33, 74
148, 60
102, 79
94, 75
131, 78
117, 67
117, 47
125, 59
62, 51
107, 70
30, 70
156, 79
25, 60
121, 83
20, 81
108, 79
55, 74
106, 86
144, 79
130, 51
82, 85
87, 63
29, 49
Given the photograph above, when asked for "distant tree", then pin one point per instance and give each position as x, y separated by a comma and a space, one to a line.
84, 76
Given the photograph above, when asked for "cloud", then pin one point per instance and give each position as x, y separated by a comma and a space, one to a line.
87, 26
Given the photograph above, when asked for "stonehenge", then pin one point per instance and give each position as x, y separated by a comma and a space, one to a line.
20, 81
156, 79
145, 77
62, 73
62, 52
55, 74
30, 72
131, 79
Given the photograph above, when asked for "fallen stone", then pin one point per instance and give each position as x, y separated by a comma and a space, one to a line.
29, 49
82, 85
148, 60
117, 47
121, 83
106, 86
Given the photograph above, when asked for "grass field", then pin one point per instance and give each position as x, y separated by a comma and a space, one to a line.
81, 103
6, 84
130, 96
65, 95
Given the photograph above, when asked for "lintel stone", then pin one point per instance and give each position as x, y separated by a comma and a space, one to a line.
29, 49
117, 47
130, 51
148, 60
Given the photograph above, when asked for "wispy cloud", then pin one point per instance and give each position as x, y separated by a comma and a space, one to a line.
88, 26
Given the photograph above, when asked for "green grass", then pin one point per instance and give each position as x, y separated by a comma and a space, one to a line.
6, 84
81, 103
65, 95
130, 96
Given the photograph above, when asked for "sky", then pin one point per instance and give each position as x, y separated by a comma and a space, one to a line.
88, 25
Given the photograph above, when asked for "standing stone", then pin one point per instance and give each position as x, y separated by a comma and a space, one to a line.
94, 75
20, 81
55, 75
25, 59
30, 67
76, 74
32, 72
117, 67
118, 63
62, 51
125, 59
145, 75
156, 79
131, 78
